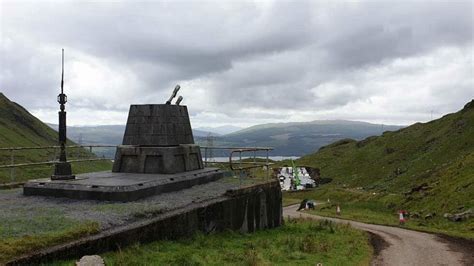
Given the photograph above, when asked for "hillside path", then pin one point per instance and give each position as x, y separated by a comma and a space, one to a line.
397, 246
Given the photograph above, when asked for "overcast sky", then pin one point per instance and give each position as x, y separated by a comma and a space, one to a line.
240, 63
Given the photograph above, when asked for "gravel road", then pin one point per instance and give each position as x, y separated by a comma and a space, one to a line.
397, 246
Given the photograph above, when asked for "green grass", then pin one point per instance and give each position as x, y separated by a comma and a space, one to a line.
381, 208
44, 171
46, 220
288, 200
11, 247
24, 229
298, 242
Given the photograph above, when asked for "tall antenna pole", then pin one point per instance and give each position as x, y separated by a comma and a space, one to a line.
62, 72
62, 169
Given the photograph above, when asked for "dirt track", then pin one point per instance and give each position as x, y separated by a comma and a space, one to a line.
397, 246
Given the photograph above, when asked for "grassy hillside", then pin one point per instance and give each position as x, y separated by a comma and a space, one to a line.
18, 128
426, 168
296, 139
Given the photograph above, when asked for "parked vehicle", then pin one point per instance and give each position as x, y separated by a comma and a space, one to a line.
295, 178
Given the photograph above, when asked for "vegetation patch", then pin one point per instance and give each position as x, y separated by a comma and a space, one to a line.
11, 247
44, 171
298, 242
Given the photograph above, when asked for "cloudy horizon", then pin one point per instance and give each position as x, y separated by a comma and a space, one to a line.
240, 63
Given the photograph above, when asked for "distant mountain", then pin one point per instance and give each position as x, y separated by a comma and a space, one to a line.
299, 138
288, 139
204, 133
107, 134
221, 130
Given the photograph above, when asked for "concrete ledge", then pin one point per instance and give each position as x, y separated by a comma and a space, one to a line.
119, 186
11, 185
250, 209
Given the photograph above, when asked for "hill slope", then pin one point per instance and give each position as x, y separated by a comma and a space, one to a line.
221, 130
427, 167
19, 128
298, 138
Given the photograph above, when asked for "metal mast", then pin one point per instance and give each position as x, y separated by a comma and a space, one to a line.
62, 169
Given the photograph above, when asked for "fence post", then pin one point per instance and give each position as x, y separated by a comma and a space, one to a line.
240, 167
268, 168
254, 170
205, 156
12, 162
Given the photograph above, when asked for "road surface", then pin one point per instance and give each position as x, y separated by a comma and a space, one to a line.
397, 246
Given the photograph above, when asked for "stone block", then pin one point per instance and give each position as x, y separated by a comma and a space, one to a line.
174, 159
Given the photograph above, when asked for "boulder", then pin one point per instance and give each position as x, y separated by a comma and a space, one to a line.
458, 217
94, 260
430, 216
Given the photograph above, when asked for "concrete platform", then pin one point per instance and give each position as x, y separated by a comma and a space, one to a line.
124, 187
213, 207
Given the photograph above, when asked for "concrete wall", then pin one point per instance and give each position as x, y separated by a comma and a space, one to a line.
157, 160
158, 125
246, 210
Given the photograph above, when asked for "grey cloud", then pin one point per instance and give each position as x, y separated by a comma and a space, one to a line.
25, 73
196, 38
248, 55
377, 31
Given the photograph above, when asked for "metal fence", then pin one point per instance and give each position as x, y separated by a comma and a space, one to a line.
238, 165
241, 165
49, 152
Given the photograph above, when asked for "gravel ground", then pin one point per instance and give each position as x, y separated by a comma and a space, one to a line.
25, 215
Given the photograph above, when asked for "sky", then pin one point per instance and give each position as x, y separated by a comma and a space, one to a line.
240, 63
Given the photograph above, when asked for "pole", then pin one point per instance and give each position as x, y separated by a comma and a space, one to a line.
62, 169
12, 161
268, 168
240, 167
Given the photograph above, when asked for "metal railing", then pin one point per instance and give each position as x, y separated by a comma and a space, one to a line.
240, 164
12, 165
